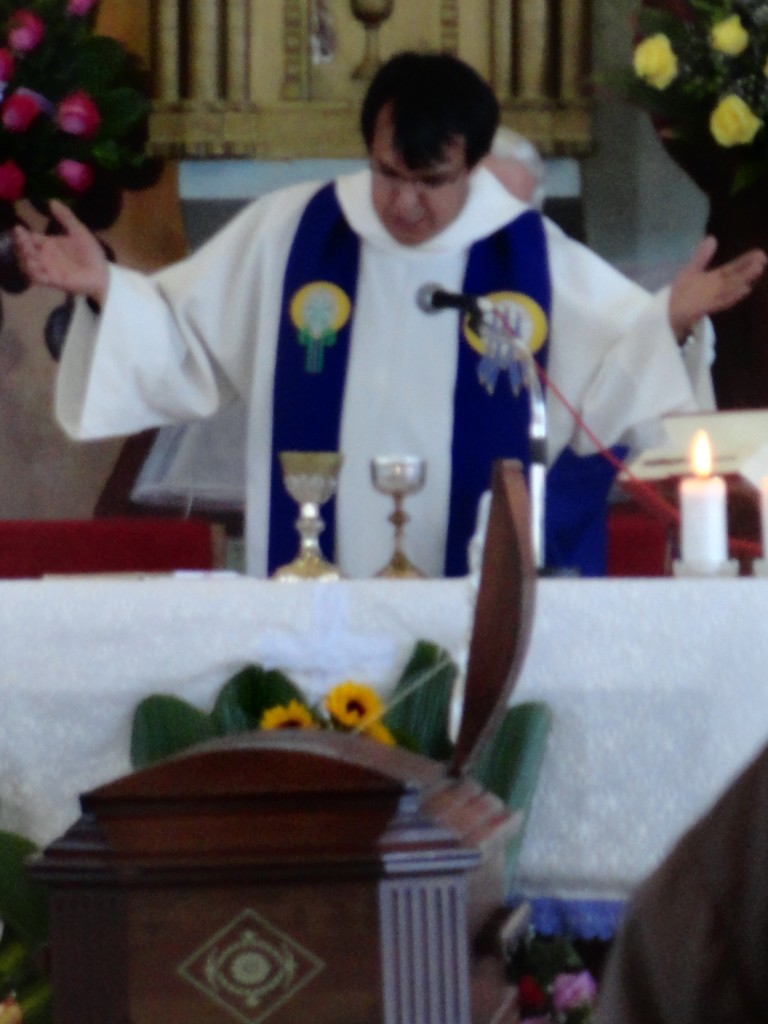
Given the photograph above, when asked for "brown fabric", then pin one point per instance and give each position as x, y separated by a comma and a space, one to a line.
694, 944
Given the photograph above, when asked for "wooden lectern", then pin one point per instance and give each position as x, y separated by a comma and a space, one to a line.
305, 876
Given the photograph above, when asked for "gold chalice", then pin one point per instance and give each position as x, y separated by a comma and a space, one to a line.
310, 478
371, 13
398, 476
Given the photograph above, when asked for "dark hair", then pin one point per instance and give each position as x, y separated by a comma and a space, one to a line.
435, 97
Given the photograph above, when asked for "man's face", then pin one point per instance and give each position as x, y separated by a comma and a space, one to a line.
415, 205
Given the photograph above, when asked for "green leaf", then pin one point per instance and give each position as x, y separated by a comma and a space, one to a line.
23, 903
97, 62
164, 725
121, 110
406, 741
747, 174
243, 700
651, 20
420, 704
14, 960
510, 763
545, 957
107, 154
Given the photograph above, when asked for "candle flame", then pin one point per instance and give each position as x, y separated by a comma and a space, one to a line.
701, 454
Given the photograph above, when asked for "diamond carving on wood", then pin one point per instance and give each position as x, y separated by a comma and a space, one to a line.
250, 968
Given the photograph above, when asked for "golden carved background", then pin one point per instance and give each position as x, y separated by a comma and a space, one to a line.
274, 78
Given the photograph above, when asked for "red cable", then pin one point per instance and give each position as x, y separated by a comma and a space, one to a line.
643, 493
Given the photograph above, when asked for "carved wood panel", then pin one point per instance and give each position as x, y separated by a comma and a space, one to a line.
278, 79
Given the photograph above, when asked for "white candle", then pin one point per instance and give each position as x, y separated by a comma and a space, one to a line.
703, 510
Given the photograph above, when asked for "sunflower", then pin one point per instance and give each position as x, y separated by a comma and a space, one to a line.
380, 733
293, 715
351, 704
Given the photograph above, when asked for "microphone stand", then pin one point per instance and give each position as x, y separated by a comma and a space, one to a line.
505, 351
537, 448
490, 316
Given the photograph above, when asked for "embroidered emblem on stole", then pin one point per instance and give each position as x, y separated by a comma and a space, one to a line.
515, 322
318, 310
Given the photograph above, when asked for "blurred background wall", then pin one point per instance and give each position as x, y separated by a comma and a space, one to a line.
642, 212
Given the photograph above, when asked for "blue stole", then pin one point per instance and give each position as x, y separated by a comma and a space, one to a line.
576, 536
313, 348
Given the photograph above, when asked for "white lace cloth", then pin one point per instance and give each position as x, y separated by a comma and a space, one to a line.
79, 654
658, 689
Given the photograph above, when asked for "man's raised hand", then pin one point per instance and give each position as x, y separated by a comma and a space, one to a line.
699, 291
73, 261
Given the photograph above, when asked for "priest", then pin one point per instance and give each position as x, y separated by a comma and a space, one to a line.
306, 306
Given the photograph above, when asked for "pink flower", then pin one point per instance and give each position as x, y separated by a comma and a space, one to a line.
78, 115
11, 182
25, 32
80, 7
20, 110
572, 990
7, 64
78, 176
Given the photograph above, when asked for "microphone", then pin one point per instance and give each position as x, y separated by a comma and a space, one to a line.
431, 298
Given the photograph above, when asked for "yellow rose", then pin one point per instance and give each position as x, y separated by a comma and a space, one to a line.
655, 61
729, 36
732, 122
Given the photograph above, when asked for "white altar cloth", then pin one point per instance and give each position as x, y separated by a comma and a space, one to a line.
658, 690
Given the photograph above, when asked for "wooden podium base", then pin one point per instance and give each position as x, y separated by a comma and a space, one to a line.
284, 879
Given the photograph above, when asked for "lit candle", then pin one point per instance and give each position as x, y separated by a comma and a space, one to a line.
704, 530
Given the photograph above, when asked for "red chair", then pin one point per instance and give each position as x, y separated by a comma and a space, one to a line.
32, 548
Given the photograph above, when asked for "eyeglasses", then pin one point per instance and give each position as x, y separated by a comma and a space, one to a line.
425, 184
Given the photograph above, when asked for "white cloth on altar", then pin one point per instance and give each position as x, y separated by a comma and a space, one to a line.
642, 676
178, 345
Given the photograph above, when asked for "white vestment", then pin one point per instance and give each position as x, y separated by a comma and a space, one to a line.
179, 344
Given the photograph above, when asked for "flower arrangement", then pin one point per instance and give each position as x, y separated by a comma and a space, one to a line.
700, 68
74, 110
553, 985
256, 698
74, 107
348, 707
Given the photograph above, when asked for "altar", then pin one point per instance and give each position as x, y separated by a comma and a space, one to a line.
657, 689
